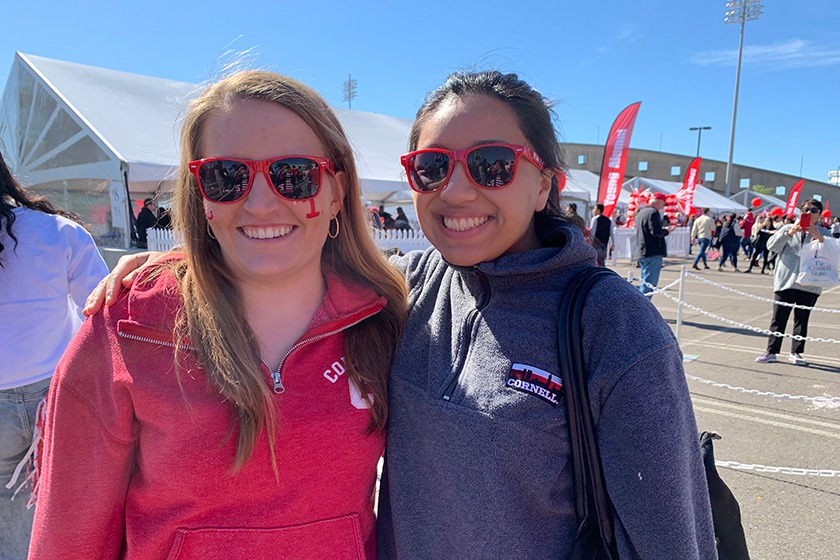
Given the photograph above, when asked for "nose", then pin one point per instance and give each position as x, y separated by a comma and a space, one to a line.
460, 188
261, 198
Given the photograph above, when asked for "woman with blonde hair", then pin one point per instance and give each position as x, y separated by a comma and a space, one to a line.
232, 403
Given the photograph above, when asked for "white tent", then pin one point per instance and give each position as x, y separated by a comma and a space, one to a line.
703, 196
768, 202
93, 140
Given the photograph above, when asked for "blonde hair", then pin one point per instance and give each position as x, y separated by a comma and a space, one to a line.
226, 346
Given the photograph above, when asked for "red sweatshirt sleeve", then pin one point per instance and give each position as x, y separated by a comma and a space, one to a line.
88, 451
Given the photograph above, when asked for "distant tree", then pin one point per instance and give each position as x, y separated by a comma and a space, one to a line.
761, 189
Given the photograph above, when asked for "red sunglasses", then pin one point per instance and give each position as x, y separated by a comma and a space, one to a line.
226, 180
489, 166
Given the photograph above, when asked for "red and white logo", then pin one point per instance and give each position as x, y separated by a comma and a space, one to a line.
336, 370
535, 381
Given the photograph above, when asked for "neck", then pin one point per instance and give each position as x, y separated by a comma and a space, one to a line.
280, 313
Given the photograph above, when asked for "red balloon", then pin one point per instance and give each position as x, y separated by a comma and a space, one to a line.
826, 214
776, 212
756, 202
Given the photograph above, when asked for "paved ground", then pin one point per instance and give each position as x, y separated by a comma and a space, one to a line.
785, 516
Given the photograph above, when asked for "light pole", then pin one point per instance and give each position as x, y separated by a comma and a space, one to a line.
738, 11
350, 91
699, 130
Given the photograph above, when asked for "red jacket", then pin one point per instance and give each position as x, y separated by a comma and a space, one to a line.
137, 467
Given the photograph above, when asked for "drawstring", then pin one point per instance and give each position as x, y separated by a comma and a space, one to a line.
31, 460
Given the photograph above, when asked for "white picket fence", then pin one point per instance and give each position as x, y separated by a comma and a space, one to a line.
624, 240
406, 240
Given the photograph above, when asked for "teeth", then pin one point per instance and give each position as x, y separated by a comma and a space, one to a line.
463, 224
266, 232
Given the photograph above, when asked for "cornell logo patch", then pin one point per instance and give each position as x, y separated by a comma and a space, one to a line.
534, 381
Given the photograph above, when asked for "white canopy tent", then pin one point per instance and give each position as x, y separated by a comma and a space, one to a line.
703, 196
768, 202
93, 140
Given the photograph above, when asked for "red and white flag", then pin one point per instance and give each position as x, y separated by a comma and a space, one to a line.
615, 158
793, 198
685, 195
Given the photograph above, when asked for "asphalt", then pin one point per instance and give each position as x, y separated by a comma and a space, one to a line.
785, 515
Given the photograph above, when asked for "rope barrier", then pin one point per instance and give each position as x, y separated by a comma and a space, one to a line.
759, 298
734, 323
757, 393
734, 465
777, 470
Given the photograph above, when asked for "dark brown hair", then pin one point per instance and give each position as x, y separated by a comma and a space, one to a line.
533, 113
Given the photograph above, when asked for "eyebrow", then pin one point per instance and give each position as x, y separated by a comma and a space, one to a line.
472, 145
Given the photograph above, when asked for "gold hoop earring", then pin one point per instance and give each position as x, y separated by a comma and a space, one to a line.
210, 231
337, 228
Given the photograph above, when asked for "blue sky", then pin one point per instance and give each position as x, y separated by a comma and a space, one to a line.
591, 58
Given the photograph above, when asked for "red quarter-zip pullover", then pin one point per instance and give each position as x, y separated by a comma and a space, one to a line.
137, 466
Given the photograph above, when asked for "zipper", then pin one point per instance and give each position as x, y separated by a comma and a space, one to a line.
472, 316
279, 388
276, 376
155, 341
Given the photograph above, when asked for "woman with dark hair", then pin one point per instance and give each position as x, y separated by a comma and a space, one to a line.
48, 265
787, 243
477, 466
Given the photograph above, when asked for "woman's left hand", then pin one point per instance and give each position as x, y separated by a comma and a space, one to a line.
816, 233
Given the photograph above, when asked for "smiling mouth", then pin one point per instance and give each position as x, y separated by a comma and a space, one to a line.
463, 224
266, 232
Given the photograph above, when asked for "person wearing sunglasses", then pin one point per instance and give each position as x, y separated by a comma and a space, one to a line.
477, 465
232, 403
787, 243
477, 468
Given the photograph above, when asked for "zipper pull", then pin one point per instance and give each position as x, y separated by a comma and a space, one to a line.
278, 383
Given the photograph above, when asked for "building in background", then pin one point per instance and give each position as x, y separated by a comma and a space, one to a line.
651, 164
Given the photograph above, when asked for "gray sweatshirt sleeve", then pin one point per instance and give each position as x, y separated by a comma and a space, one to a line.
647, 434
652, 463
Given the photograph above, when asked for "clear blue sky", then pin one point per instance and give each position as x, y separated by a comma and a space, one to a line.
592, 58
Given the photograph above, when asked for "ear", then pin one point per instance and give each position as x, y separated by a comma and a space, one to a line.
545, 189
339, 188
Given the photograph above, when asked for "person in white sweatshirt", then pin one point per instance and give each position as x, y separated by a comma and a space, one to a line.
48, 265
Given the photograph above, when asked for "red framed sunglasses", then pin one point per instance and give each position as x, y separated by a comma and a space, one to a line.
227, 180
489, 166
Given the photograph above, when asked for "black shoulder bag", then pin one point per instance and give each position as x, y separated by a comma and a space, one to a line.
595, 534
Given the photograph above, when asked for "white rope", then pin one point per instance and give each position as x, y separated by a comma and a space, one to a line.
759, 298
734, 323
756, 392
777, 470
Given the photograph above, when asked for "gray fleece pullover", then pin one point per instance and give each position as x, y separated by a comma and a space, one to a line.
477, 464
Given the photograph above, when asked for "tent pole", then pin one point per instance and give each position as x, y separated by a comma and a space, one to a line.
132, 230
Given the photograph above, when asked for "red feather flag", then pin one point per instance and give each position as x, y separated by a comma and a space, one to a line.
686, 193
793, 198
615, 158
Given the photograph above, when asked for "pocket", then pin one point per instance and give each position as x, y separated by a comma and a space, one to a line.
339, 538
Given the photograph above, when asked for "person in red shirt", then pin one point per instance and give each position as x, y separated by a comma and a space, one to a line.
232, 403
747, 223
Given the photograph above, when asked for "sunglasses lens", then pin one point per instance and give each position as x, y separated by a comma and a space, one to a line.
295, 178
428, 171
492, 166
224, 180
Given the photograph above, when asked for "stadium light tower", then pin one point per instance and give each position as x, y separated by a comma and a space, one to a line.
738, 11
350, 91
699, 130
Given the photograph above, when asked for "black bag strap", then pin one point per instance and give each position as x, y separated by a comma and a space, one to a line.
592, 504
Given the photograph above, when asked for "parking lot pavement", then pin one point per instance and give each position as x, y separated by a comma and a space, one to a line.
785, 515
